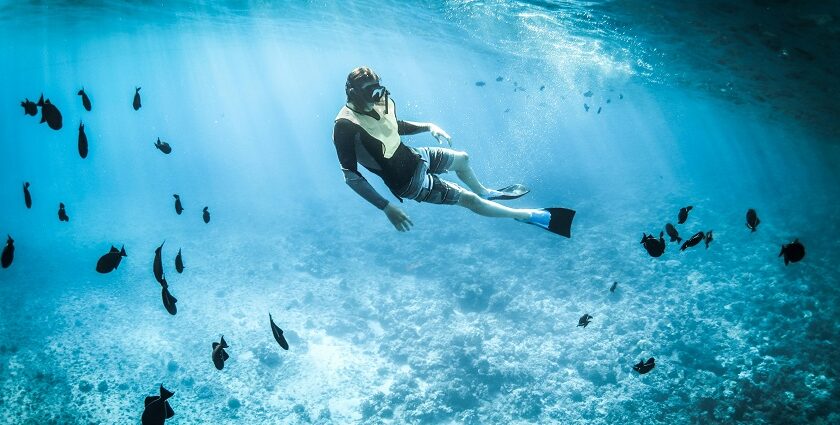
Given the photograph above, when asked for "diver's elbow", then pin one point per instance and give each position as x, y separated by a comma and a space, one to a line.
351, 176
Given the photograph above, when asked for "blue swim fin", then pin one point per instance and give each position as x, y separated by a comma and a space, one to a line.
558, 220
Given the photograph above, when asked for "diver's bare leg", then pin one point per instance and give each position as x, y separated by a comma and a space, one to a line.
487, 208
461, 166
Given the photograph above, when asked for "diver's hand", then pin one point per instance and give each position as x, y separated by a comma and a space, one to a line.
438, 132
398, 218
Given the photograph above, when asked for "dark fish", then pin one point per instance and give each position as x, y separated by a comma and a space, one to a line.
683, 215
672, 233
693, 240
8, 253
136, 103
599, 110
278, 334
49, 114
27, 197
178, 208
620, 96
655, 247
586, 107
206, 215
168, 300
163, 146
179, 262
584, 320
85, 99
542, 88
644, 367
83, 142
499, 78
157, 265
752, 219
157, 409
110, 261
793, 252
29, 107
219, 354
62, 214
609, 100
588, 93
709, 238
614, 285
479, 83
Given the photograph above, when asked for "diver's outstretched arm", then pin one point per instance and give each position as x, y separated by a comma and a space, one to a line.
411, 127
361, 186
395, 214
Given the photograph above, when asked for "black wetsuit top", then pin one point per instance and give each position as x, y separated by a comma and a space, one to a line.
354, 145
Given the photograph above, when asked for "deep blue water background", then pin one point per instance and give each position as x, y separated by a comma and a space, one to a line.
721, 105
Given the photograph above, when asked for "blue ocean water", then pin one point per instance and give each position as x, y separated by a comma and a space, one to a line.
721, 105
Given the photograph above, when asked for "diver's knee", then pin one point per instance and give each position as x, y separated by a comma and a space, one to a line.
464, 157
461, 161
469, 200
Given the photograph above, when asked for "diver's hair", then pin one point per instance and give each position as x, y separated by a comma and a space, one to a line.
355, 79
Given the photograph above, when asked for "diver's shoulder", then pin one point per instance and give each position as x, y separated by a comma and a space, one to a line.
345, 123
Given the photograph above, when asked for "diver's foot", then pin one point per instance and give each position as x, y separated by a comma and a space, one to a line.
507, 193
490, 194
539, 217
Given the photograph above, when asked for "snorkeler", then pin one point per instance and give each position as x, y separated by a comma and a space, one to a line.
368, 132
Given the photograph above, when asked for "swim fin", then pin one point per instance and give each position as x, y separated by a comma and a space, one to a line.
558, 220
511, 192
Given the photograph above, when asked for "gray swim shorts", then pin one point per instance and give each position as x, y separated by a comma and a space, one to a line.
425, 185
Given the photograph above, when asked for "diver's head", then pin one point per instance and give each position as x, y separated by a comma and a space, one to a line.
363, 88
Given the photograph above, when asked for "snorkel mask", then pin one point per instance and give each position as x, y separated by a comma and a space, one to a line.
374, 93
